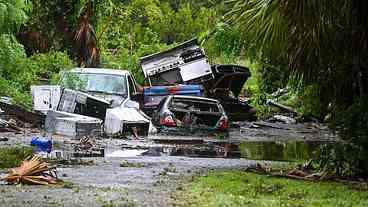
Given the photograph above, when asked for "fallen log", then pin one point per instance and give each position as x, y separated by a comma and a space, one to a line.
282, 107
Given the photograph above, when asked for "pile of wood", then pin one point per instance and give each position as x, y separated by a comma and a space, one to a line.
32, 171
304, 172
9, 126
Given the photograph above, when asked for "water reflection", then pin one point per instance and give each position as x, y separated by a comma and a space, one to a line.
280, 151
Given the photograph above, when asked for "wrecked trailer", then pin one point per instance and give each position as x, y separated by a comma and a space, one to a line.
186, 63
103, 94
226, 87
191, 113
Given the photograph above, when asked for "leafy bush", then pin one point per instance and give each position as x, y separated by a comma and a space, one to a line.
13, 156
351, 124
18, 73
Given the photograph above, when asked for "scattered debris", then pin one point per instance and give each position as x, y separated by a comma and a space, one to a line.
270, 125
9, 126
126, 163
282, 107
87, 148
21, 114
283, 119
33, 171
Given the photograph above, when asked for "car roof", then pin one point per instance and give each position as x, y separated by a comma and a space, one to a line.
195, 97
100, 71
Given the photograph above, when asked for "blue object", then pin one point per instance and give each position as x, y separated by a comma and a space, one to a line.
154, 94
193, 90
42, 144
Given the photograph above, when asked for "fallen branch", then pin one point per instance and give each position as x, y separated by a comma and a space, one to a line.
282, 107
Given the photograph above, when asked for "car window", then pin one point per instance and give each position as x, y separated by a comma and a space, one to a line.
95, 82
194, 105
131, 86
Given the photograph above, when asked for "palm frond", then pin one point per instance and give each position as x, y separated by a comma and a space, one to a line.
33, 171
262, 23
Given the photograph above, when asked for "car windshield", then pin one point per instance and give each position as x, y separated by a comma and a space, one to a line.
95, 82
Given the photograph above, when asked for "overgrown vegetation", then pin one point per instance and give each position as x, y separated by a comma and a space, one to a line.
236, 188
13, 156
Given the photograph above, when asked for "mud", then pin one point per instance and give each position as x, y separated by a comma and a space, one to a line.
151, 177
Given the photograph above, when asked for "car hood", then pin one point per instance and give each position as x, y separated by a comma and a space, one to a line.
114, 100
232, 77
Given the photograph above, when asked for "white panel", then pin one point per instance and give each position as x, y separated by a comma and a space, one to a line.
45, 97
195, 69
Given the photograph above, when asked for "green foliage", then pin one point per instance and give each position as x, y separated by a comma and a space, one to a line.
236, 188
18, 73
49, 65
12, 14
140, 28
225, 41
352, 125
13, 156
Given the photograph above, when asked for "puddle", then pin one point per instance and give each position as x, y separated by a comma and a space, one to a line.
199, 150
280, 151
126, 153
275, 151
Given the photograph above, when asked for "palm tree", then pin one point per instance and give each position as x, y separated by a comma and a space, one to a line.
325, 42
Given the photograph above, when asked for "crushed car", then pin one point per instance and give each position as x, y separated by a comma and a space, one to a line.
190, 112
91, 97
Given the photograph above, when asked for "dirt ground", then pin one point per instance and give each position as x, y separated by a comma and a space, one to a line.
147, 180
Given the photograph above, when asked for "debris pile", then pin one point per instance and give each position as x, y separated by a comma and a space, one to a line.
9, 126
33, 171
87, 147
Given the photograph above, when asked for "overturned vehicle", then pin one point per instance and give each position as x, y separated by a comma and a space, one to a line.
92, 101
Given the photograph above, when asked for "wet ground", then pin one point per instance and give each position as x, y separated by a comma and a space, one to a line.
146, 172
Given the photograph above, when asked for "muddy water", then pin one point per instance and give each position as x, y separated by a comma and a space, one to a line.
281, 151
253, 150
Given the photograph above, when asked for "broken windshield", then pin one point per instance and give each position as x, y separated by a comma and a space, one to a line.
95, 82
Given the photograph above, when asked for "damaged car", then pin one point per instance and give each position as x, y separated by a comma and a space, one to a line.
226, 87
190, 112
107, 95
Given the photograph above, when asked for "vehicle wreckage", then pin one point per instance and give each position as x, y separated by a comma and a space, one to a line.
92, 101
98, 101
191, 112
185, 70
